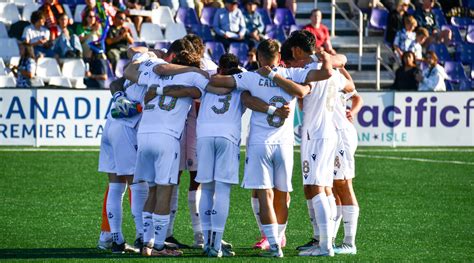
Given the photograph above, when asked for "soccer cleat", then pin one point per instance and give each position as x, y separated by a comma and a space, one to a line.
227, 252
312, 243
123, 248
316, 251
262, 244
198, 241
105, 241
272, 253
165, 252
213, 253
138, 244
173, 241
283, 241
345, 249
226, 245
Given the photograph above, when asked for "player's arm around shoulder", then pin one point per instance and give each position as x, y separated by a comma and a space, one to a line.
259, 105
324, 73
291, 87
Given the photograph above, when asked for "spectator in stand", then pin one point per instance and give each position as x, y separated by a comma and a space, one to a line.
118, 39
175, 4
404, 39
89, 30
106, 11
427, 19
272, 4
417, 46
135, 5
26, 66
229, 23
395, 20
251, 63
433, 76
320, 32
207, 3
66, 44
38, 36
96, 75
406, 75
51, 10
253, 21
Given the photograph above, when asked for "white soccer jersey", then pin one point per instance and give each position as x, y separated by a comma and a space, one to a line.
340, 120
166, 114
265, 129
318, 105
220, 116
208, 65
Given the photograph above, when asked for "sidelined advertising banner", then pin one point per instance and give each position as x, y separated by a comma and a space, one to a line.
46, 117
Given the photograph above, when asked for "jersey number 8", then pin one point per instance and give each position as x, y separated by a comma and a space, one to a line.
272, 120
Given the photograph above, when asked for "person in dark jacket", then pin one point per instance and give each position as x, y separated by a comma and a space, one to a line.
405, 76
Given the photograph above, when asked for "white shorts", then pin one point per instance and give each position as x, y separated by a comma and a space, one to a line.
221, 158
317, 162
118, 149
188, 140
269, 166
344, 163
157, 159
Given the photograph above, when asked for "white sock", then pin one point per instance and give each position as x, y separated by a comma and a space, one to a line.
350, 215
338, 220
148, 232
160, 224
138, 199
332, 218
256, 213
322, 214
173, 209
205, 210
281, 231
114, 210
271, 232
220, 212
193, 201
312, 218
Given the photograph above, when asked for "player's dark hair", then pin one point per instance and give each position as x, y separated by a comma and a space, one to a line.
187, 58
302, 39
197, 43
268, 49
229, 64
286, 52
36, 16
180, 45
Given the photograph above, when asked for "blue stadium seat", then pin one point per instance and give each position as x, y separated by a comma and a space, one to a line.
441, 51
378, 19
470, 34
207, 15
265, 16
449, 87
215, 50
461, 22
186, 16
465, 53
204, 31
120, 66
284, 17
439, 16
455, 71
240, 50
276, 32
295, 28
162, 44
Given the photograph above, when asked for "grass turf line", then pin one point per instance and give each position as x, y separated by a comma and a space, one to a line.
51, 205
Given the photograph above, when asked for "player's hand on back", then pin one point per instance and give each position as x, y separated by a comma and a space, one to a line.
349, 116
264, 71
150, 94
283, 112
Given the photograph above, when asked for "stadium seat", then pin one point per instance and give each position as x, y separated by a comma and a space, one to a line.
284, 17
68, 12
240, 50
119, 67
295, 28
7, 81
23, 2
46, 68
37, 82
9, 13
448, 85
187, 16
441, 51
465, 85
457, 38
461, 22
139, 44
162, 45
78, 13
162, 16
455, 71
439, 16
472, 71
204, 31
132, 28
28, 10
175, 31
207, 15
74, 68
470, 34
378, 19
151, 33
60, 82
14, 61
3, 31
215, 50
465, 53
265, 16
9, 48
3, 71
276, 32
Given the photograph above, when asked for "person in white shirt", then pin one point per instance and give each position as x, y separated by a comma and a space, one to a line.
38, 36
433, 76
269, 160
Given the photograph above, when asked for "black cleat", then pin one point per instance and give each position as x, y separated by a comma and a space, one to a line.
174, 241
226, 245
138, 244
123, 248
313, 242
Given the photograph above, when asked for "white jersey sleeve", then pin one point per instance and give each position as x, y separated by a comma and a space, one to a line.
146, 70
200, 82
298, 75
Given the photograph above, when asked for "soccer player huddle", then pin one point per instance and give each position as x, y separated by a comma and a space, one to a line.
191, 120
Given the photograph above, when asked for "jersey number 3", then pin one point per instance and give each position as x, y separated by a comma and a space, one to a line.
272, 120
226, 101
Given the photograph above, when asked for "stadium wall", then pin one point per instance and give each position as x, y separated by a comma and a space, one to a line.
54, 117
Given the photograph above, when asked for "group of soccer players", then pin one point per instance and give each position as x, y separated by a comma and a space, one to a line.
191, 120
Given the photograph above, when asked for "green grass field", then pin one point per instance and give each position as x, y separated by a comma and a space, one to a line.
420, 208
